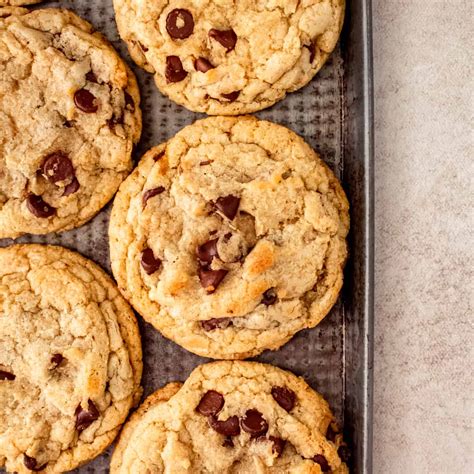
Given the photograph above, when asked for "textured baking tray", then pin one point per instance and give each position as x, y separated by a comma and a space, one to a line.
334, 114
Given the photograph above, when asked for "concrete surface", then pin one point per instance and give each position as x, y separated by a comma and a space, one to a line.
424, 228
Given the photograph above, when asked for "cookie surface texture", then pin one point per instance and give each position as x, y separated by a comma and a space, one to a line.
230, 237
232, 417
230, 57
69, 117
70, 359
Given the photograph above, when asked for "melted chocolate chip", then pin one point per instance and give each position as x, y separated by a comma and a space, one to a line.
57, 167
85, 101
228, 205
30, 463
91, 77
322, 461
254, 423
344, 453
269, 297
202, 65
228, 443
284, 397
56, 360
226, 38
231, 96
149, 263
4, 375
38, 207
205, 163
72, 187
278, 445
207, 251
150, 193
211, 403
211, 279
174, 69
129, 102
180, 23
84, 418
216, 323
229, 427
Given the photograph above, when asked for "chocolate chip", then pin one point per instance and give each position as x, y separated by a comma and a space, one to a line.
4, 375
216, 323
72, 187
38, 207
228, 443
211, 279
312, 51
129, 102
228, 205
331, 434
207, 251
84, 418
322, 461
68, 123
56, 360
229, 427
231, 96
269, 297
30, 463
179, 23
91, 77
344, 453
205, 163
254, 423
150, 193
142, 47
202, 65
149, 263
211, 403
174, 69
284, 397
278, 445
85, 101
226, 38
57, 167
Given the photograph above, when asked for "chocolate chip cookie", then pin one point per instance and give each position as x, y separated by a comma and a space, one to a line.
70, 359
230, 57
230, 237
69, 116
239, 417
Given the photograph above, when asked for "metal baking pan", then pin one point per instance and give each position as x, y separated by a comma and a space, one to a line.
334, 114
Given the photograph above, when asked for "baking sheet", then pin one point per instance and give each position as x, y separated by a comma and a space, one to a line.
333, 115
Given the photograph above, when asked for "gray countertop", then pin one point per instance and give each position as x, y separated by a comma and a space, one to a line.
424, 227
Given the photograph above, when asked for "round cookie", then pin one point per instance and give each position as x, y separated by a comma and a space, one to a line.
70, 359
230, 57
69, 117
239, 417
230, 237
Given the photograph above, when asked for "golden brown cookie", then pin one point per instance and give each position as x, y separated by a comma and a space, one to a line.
70, 359
69, 117
230, 237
